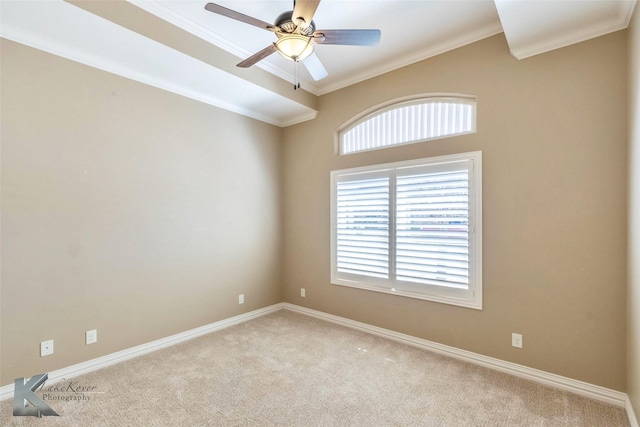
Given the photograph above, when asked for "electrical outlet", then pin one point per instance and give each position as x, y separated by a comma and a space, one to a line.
241, 299
91, 336
516, 340
46, 348
303, 293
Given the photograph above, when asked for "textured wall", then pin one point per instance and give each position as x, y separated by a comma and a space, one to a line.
125, 209
553, 132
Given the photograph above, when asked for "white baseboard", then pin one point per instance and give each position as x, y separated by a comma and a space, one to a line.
633, 421
578, 387
6, 392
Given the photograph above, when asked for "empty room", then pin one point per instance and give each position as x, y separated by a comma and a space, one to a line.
336, 213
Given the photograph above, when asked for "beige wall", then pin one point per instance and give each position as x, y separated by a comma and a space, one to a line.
120, 209
553, 132
633, 307
127, 209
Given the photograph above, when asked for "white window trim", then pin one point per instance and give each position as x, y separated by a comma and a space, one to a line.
399, 103
471, 297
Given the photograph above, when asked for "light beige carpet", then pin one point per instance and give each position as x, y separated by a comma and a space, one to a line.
286, 369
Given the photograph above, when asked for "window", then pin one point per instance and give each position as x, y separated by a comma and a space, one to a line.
406, 121
410, 228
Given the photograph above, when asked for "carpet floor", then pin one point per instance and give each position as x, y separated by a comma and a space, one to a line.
287, 369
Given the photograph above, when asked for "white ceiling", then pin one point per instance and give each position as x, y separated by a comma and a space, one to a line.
139, 40
411, 31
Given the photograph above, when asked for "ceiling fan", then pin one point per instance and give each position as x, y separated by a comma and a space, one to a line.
297, 34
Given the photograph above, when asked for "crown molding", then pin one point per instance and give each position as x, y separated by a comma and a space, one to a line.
167, 14
583, 34
420, 55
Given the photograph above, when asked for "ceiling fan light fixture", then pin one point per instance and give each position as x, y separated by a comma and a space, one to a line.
294, 47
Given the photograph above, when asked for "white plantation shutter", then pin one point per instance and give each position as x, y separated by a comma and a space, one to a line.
363, 227
416, 120
410, 228
432, 238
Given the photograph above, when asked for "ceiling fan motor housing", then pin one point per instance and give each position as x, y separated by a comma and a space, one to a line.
286, 24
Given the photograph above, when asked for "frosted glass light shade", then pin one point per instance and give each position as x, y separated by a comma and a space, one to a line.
294, 47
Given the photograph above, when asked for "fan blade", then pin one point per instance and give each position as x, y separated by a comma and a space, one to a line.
220, 10
314, 67
259, 56
347, 37
304, 9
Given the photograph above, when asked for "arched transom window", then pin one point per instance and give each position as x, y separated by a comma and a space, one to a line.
407, 121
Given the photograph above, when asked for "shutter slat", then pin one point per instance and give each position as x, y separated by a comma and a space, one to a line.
422, 271
421, 258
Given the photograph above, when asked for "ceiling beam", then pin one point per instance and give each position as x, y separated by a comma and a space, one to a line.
135, 19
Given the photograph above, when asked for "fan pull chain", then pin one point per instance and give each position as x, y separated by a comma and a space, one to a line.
296, 75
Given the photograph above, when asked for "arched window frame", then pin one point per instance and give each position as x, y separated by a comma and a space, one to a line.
395, 135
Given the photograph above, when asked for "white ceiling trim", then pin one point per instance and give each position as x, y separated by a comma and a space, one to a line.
169, 15
427, 52
98, 43
574, 37
531, 27
163, 12
114, 68
510, 16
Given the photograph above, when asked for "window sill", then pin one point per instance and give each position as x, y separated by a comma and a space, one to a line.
468, 299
